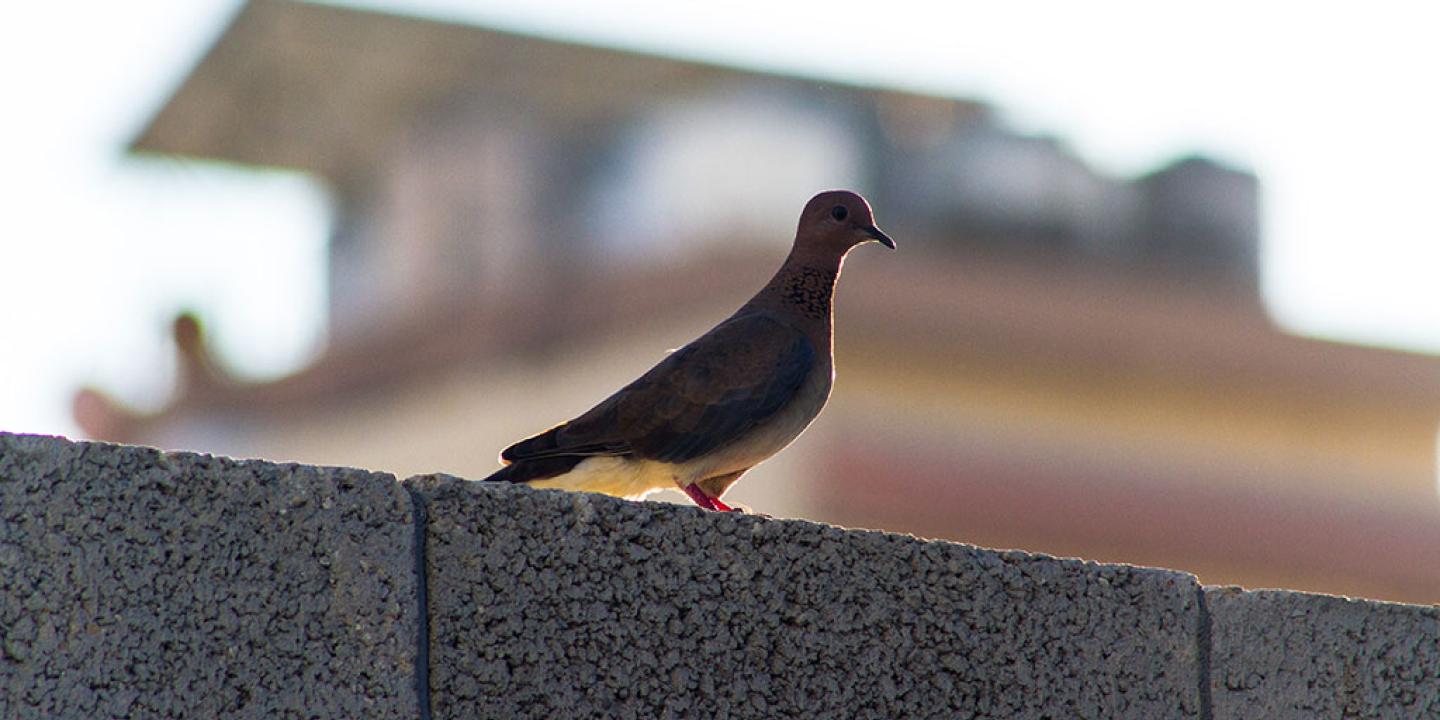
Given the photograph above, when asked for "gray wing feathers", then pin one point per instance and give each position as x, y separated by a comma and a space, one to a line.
702, 397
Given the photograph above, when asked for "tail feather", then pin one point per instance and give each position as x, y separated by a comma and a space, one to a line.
537, 469
549, 444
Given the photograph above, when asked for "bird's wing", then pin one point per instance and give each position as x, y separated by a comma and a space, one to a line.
699, 398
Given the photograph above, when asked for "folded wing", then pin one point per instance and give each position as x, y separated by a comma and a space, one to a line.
701, 397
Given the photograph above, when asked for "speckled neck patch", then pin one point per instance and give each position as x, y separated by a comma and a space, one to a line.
810, 289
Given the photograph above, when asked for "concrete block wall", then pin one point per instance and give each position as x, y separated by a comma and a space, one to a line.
136, 583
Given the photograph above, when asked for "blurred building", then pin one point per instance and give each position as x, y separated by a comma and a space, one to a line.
1055, 359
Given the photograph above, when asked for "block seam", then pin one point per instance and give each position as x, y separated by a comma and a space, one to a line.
422, 602
1202, 653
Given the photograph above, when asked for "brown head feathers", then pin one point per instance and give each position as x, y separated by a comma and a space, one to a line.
835, 221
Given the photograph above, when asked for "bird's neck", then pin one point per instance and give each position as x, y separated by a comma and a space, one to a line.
805, 286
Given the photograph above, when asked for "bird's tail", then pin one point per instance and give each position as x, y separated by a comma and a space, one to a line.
537, 469
504, 474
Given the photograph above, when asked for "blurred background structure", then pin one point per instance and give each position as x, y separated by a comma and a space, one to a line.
1056, 359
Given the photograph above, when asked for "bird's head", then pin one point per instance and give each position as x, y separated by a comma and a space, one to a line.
835, 221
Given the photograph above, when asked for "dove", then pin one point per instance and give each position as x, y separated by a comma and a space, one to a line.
733, 397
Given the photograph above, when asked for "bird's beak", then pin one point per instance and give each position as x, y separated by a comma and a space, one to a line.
879, 236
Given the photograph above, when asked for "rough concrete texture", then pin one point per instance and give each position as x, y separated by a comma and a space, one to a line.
1282, 655
135, 583
552, 605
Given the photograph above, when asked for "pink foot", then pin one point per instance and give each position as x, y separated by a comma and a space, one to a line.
699, 497
705, 501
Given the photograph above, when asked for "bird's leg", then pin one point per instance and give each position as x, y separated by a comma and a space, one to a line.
705, 501
699, 497
714, 487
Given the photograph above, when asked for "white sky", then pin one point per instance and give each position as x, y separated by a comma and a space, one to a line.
1335, 110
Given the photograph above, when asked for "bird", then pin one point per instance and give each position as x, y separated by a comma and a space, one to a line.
714, 408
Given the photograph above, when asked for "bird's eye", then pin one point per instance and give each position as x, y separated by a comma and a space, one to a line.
839, 212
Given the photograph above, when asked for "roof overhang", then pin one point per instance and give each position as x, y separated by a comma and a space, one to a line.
324, 89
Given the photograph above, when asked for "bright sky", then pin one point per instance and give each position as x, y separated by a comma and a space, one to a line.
1335, 110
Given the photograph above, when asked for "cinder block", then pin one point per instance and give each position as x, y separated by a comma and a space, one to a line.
1281, 655
546, 604
135, 583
